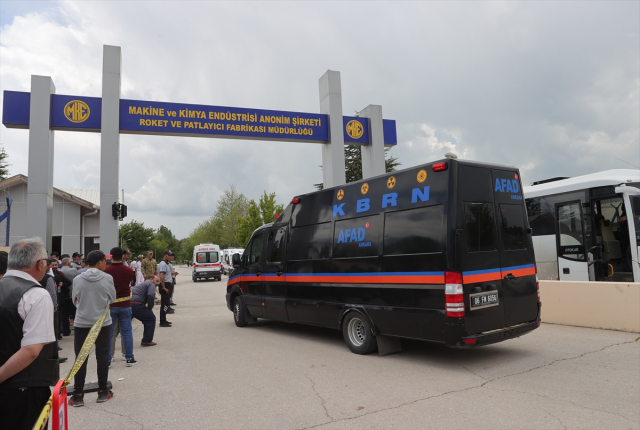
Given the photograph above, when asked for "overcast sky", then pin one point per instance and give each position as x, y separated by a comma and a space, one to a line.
549, 87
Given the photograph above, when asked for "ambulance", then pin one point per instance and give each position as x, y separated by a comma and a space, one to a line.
206, 262
227, 255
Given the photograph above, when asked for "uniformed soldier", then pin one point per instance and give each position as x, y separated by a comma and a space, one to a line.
149, 265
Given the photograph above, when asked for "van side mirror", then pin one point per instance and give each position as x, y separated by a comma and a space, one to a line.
235, 260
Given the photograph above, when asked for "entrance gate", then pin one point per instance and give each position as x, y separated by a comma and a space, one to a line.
42, 112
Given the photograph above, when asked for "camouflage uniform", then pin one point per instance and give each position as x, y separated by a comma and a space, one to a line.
149, 267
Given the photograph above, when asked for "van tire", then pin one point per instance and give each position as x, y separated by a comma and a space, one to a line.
239, 313
356, 330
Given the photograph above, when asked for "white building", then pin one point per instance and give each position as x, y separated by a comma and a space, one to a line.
76, 220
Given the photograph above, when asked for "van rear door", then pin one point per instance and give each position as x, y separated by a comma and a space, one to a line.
517, 260
478, 251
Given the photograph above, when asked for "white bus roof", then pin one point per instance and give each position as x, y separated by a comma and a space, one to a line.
599, 179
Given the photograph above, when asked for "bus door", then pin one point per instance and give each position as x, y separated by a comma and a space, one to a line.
517, 259
274, 276
478, 251
252, 285
570, 242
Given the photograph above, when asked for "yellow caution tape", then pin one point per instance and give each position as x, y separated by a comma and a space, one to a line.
82, 356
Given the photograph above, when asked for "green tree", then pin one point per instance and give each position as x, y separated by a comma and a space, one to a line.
221, 227
136, 237
353, 163
257, 215
4, 166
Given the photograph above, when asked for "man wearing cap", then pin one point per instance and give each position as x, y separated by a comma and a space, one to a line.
149, 265
77, 260
93, 291
166, 285
28, 352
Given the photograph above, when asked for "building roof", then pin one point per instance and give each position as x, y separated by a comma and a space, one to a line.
63, 194
89, 194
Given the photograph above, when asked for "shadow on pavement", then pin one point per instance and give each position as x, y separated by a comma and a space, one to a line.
412, 350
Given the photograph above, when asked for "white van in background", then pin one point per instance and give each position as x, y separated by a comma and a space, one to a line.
206, 262
227, 265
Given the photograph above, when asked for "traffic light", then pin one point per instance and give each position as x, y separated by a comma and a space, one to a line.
123, 211
115, 210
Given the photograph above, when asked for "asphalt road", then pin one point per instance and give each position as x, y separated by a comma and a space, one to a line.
205, 373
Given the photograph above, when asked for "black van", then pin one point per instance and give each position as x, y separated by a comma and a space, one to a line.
440, 252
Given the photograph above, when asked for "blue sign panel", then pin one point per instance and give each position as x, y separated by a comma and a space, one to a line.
76, 113
216, 121
356, 130
179, 119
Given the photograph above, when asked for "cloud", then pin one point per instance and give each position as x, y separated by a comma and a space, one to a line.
550, 87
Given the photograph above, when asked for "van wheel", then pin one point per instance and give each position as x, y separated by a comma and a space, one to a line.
194, 279
239, 316
357, 334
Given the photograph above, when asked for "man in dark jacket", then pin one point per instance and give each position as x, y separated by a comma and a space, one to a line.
142, 299
63, 285
28, 353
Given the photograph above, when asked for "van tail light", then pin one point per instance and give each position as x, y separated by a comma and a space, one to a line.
453, 295
438, 167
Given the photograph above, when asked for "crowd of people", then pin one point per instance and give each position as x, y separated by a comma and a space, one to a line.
43, 298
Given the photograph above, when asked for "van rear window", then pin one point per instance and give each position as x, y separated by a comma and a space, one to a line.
512, 227
414, 231
207, 257
480, 227
312, 242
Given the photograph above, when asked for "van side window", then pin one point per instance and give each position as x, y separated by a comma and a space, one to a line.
512, 227
414, 231
356, 237
312, 242
275, 246
256, 250
479, 224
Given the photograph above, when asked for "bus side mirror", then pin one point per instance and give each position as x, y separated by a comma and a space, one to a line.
235, 260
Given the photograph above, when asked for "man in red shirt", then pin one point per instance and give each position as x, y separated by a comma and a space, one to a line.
121, 311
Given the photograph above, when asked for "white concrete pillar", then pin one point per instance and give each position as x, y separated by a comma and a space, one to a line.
40, 167
373, 154
333, 174
110, 145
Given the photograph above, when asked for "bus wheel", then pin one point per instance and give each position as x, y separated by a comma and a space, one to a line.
357, 334
238, 313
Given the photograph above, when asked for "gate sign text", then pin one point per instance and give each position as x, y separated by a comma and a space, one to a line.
74, 113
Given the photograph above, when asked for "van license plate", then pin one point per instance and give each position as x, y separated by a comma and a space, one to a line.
483, 300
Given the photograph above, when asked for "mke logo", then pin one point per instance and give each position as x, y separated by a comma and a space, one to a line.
355, 130
76, 111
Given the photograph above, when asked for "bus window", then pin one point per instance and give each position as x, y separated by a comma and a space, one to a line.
414, 231
570, 229
480, 227
512, 227
312, 242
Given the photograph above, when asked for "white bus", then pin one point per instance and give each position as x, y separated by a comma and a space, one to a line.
587, 228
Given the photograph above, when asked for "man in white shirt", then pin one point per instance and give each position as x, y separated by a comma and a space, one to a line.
28, 353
